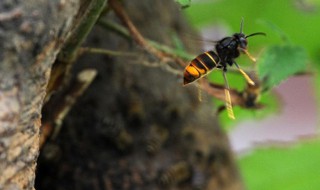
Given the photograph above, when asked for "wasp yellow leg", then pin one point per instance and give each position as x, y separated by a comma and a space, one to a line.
199, 94
249, 55
228, 97
249, 80
229, 104
199, 91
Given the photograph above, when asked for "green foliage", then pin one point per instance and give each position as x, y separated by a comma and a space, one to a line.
285, 22
296, 21
292, 40
293, 168
279, 62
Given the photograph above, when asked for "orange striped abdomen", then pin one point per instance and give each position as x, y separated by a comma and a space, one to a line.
200, 66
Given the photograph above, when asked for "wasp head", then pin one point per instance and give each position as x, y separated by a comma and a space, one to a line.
241, 40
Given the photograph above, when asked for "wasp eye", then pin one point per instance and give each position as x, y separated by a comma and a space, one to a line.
243, 43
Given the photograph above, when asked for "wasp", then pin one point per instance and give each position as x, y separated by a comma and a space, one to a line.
175, 174
227, 50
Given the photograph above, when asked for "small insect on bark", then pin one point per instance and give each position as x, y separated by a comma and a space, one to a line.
227, 50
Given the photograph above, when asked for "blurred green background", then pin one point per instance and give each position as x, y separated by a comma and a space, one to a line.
292, 46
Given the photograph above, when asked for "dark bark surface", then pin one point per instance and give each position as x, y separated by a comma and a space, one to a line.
136, 127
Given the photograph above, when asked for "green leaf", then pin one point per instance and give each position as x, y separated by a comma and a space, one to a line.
298, 22
295, 168
184, 3
279, 62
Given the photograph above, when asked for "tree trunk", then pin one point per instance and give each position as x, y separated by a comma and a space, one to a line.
136, 126
31, 35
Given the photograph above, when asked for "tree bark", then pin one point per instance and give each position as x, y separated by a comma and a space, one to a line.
31, 35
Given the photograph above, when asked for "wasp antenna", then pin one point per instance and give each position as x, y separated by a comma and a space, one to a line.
257, 33
241, 26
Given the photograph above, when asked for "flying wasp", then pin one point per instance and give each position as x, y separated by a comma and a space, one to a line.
227, 50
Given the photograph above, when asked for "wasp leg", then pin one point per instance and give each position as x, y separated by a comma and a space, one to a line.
249, 80
199, 94
228, 97
199, 90
248, 54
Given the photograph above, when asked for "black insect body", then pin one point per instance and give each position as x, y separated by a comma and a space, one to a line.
227, 50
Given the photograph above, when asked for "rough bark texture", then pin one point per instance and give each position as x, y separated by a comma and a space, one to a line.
30, 38
137, 127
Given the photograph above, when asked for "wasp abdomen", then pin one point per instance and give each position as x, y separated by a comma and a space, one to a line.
200, 66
